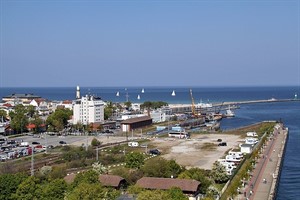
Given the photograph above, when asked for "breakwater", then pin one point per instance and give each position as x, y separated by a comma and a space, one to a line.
183, 108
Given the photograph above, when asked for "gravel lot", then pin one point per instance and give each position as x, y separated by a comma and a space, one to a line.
190, 152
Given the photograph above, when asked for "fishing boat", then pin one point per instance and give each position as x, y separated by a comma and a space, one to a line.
173, 93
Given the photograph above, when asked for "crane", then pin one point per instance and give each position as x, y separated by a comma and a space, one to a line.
193, 103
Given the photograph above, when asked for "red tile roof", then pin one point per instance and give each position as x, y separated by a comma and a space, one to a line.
187, 185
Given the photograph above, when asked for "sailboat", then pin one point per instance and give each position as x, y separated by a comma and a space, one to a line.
173, 93
138, 97
118, 94
143, 91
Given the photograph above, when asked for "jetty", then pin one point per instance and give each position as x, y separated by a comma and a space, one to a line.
183, 108
265, 177
272, 100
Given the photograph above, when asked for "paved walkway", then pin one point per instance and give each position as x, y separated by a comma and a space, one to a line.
264, 177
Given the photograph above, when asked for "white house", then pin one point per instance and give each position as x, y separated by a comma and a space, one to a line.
88, 109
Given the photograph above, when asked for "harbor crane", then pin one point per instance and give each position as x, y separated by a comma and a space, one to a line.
193, 104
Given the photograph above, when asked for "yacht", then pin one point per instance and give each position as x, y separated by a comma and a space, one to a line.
138, 97
173, 93
143, 91
118, 94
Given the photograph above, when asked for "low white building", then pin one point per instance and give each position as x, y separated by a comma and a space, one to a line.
246, 148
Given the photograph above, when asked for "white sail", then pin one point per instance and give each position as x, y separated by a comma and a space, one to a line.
173, 93
138, 97
143, 91
118, 94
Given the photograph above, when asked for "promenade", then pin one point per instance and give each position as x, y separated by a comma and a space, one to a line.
264, 177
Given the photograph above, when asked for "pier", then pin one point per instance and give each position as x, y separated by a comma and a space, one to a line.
184, 108
265, 177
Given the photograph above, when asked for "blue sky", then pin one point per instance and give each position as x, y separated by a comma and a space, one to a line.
149, 43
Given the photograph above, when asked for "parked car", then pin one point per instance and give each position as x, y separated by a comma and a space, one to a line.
222, 144
219, 140
35, 143
154, 152
62, 142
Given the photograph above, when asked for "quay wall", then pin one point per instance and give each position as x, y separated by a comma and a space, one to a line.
277, 174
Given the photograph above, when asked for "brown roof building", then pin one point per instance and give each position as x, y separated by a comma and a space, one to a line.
134, 123
189, 187
106, 180
112, 181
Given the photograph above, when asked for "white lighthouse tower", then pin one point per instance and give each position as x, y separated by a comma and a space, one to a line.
77, 92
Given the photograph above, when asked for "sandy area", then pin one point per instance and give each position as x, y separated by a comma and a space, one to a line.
189, 153
186, 152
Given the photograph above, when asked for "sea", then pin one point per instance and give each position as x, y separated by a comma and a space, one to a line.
288, 112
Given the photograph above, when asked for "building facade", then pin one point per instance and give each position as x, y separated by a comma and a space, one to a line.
88, 109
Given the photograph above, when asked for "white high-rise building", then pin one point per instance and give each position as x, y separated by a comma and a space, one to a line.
88, 109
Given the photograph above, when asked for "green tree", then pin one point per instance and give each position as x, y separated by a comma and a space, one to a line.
95, 142
37, 121
134, 160
54, 190
29, 189
89, 177
19, 119
218, 173
89, 191
160, 167
200, 175
57, 172
9, 184
176, 193
59, 119
127, 104
153, 195
31, 111
3, 114
157, 167
130, 175
45, 170
109, 109
174, 169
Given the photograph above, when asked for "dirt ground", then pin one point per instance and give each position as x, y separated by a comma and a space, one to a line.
193, 152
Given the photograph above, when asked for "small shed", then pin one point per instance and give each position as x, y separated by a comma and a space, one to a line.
134, 123
189, 187
114, 181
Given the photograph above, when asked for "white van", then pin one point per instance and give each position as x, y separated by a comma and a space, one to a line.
133, 144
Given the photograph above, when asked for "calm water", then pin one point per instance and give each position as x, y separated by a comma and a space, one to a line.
288, 112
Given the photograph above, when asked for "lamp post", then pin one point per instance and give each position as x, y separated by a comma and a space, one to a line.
238, 193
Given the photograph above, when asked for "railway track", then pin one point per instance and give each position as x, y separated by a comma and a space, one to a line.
25, 165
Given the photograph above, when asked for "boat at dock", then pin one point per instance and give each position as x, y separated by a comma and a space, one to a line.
229, 113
